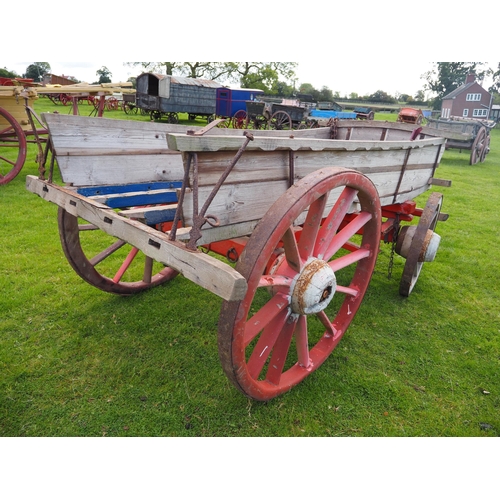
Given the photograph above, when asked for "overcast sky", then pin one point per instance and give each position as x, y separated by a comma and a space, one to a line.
363, 77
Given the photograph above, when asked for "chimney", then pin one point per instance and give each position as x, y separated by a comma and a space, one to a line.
471, 78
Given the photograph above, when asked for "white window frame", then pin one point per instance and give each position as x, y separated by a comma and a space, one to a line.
445, 113
480, 112
465, 112
473, 97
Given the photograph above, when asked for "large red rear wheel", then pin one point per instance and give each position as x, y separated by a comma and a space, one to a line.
307, 275
13, 148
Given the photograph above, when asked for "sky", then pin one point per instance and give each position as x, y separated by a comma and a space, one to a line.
363, 78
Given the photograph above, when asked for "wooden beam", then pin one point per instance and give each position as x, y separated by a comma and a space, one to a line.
202, 269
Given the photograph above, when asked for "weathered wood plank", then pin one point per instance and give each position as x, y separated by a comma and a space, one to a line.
182, 142
106, 170
242, 202
206, 271
274, 165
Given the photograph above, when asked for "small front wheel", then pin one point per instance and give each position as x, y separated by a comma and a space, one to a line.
307, 267
419, 244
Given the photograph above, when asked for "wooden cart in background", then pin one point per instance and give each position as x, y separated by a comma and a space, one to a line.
464, 134
20, 125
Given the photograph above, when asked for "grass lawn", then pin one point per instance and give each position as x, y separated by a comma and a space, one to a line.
75, 361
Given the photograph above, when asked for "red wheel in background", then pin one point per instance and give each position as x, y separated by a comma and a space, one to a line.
240, 119
13, 148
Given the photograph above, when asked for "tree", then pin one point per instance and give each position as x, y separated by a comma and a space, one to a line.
495, 87
272, 77
445, 77
381, 96
37, 70
5, 73
420, 96
104, 75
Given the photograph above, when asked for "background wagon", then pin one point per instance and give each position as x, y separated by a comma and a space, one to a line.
167, 96
231, 103
19, 126
411, 115
364, 113
471, 135
286, 114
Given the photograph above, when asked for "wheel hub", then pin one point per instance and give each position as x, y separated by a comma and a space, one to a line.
314, 288
430, 245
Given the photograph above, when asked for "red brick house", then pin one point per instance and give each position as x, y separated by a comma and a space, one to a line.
470, 100
50, 79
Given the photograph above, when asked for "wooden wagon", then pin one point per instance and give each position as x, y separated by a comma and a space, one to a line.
464, 134
411, 115
287, 114
301, 215
165, 96
20, 125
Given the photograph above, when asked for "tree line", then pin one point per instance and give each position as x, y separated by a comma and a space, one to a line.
279, 79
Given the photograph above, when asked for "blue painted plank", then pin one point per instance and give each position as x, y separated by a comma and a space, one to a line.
127, 188
139, 200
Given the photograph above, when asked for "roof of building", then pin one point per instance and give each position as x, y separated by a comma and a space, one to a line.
461, 89
458, 91
184, 80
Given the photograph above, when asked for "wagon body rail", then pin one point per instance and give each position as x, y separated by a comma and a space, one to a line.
259, 198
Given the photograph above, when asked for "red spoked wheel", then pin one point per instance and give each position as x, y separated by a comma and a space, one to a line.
112, 104
13, 147
105, 262
301, 298
240, 119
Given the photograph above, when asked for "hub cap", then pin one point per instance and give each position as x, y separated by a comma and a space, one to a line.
314, 288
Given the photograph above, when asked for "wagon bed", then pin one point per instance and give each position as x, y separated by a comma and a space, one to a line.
302, 215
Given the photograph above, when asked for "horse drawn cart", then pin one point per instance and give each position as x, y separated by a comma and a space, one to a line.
469, 134
286, 115
20, 125
302, 217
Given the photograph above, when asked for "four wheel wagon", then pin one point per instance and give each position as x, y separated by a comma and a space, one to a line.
286, 115
301, 217
471, 135
165, 96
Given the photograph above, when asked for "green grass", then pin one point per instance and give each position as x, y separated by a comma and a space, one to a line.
75, 361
